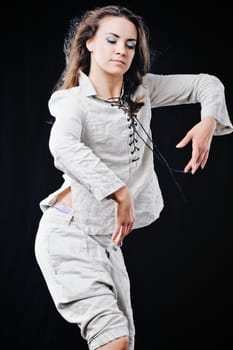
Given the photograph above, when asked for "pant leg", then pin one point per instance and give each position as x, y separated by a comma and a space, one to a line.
121, 282
81, 279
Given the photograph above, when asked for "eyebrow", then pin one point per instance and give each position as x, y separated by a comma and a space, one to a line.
117, 36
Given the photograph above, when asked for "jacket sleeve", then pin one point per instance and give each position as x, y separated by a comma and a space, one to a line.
71, 155
176, 89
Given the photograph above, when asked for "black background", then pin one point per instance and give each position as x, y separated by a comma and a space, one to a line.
180, 266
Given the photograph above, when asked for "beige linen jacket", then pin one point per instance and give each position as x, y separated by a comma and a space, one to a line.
98, 147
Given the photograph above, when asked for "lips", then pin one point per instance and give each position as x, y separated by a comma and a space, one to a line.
118, 61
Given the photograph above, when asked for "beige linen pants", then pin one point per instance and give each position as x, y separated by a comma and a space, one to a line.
86, 277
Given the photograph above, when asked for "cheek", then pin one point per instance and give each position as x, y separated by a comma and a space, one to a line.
102, 51
131, 56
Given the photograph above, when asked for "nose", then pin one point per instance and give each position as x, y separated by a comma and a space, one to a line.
121, 48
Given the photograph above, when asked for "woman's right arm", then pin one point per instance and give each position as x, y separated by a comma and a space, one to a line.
70, 153
124, 214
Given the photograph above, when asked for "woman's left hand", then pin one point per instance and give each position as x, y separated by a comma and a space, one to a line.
201, 136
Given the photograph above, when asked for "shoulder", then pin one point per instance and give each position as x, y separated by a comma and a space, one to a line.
69, 100
149, 83
151, 79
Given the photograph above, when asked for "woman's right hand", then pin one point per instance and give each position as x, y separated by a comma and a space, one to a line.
124, 214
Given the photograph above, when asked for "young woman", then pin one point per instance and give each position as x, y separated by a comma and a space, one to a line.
101, 141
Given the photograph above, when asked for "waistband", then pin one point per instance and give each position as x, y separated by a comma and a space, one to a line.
59, 213
54, 213
62, 207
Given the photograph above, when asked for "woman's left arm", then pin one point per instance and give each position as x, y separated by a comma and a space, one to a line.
205, 89
209, 92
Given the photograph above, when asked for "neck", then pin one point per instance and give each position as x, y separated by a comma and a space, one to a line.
107, 86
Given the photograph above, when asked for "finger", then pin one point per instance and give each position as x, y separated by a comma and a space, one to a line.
116, 231
118, 240
196, 159
120, 234
204, 160
184, 141
193, 166
195, 154
188, 167
131, 226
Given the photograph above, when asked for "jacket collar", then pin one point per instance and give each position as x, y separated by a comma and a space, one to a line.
85, 85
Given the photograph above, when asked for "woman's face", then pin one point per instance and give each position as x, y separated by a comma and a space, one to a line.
113, 46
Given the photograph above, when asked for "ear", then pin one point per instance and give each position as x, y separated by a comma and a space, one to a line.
89, 45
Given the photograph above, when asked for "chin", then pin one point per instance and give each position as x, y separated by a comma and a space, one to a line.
117, 71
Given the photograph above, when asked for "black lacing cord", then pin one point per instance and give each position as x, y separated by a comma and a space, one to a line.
161, 158
122, 104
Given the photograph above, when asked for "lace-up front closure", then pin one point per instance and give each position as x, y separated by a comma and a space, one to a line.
122, 104
134, 134
134, 124
133, 138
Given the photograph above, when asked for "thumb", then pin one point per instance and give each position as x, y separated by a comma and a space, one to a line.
184, 141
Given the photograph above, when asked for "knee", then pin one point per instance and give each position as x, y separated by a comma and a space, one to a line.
121, 343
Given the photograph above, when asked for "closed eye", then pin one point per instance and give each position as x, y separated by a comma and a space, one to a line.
111, 40
130, 44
